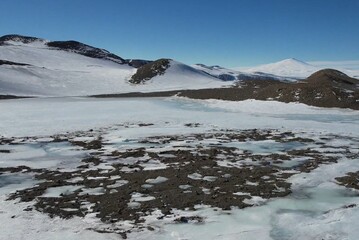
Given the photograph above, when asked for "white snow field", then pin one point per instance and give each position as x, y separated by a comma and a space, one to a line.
315, 209
54, 72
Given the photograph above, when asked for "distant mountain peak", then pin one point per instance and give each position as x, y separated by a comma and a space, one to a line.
290, 67
292, 61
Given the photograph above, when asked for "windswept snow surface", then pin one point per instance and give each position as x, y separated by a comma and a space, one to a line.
54, 72
35, 117
315, 210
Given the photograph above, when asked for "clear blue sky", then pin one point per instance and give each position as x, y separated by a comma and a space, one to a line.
224, 32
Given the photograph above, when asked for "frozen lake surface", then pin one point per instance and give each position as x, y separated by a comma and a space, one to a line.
56, 134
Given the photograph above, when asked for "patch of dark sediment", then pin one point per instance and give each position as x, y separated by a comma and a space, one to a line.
350, 180
5, 97
130, 184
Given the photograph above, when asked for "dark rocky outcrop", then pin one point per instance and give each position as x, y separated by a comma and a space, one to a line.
4, 62
137, 63
4, 97
150, 70
226, 77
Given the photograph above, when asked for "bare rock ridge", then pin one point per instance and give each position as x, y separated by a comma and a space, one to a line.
150, 70
86, 50
19, 38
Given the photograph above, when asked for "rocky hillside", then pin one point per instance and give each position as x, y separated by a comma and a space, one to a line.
325, 88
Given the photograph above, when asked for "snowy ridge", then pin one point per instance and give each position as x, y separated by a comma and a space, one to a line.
217, 71
226, 74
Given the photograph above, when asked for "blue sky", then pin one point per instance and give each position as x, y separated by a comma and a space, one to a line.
224, 32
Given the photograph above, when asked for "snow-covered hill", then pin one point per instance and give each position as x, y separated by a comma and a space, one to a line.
74, 69
56, 72
181, 76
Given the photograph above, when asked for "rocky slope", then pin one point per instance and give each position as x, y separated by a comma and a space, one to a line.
325, 88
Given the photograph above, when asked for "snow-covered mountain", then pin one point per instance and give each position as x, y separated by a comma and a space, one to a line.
33, 66
291, 67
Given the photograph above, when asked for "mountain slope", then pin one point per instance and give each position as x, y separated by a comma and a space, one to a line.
54, 72
36, 67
